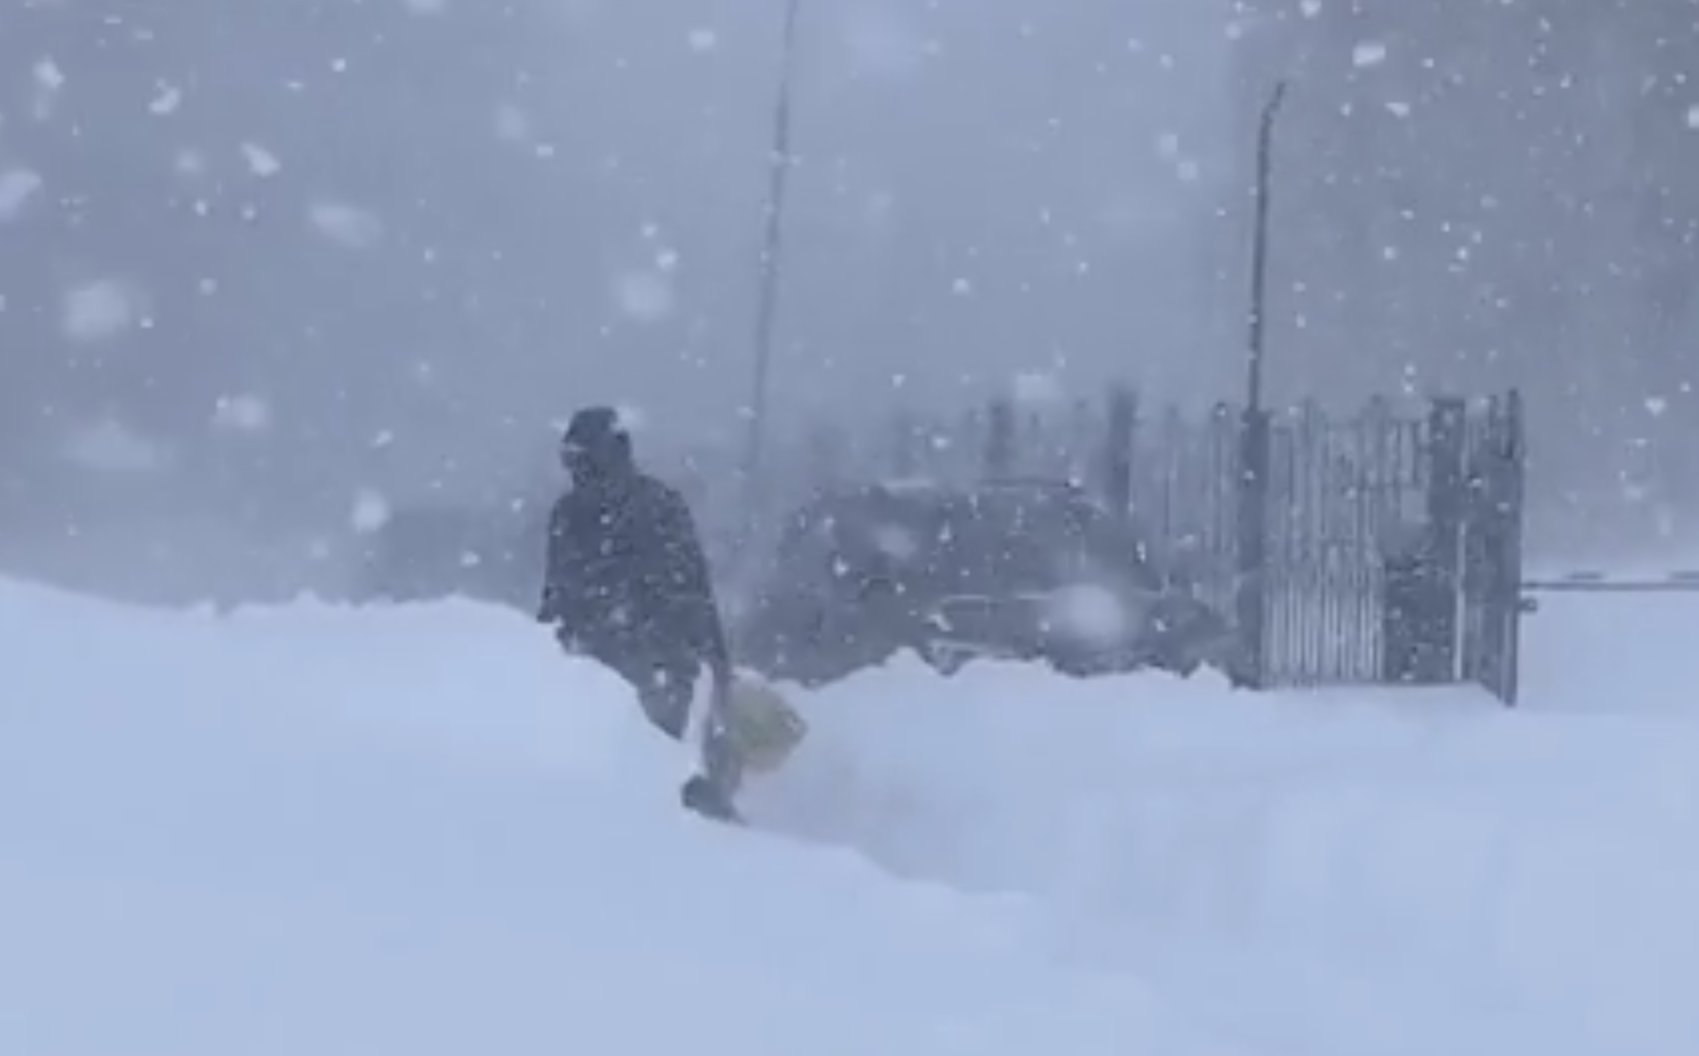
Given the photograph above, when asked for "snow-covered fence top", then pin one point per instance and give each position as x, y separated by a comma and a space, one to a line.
1580, 582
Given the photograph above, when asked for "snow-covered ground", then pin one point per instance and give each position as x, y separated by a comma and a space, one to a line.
1613, 654
313, 830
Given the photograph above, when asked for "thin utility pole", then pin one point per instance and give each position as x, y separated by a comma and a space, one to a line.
779, 163
1251, 588
1259, 248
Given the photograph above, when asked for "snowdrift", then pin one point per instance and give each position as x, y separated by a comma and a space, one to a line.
319, 831
1613, 654
419, 829
1351, 872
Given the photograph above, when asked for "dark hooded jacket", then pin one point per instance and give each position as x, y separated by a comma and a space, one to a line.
627, 580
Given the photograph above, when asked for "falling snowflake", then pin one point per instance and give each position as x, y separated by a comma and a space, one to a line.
884, 45
630, 418
17, 187
512, 124
646, 296
702, 40
168, 98
1034, 387
48, 75
1091, 614
261, 162
49, 80
248, 414
100, 310
110, 446
370, 513
894, 540
1368, 53
347, 225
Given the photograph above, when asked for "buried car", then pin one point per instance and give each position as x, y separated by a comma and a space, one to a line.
1020, 569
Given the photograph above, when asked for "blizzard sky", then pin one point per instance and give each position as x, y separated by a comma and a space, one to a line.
268, 254
453, 222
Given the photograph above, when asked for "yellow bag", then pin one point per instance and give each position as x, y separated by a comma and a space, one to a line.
762, 725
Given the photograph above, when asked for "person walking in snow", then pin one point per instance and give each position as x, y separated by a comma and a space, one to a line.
627, 582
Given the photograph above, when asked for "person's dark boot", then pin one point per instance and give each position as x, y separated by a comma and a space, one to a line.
709, 800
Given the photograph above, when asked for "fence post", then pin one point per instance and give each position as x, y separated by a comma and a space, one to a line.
1000, 439
825, 459
1507, 583
1077, 457
967, 445
1439, 623
1251, 586
1034, 444
1118, 451
905, 431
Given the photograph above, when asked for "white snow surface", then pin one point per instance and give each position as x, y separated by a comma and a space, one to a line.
423, 831
313, 829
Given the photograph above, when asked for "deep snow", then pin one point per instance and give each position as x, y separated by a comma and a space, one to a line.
315, 830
